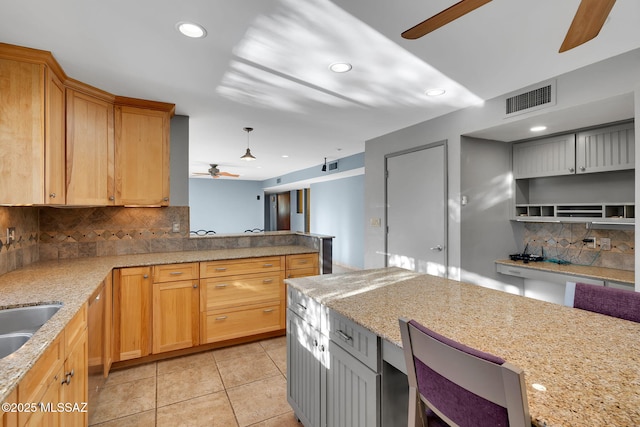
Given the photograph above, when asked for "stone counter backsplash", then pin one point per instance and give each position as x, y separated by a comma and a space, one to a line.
563, 241
46, 233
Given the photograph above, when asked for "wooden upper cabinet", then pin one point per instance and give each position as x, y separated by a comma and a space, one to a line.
55, 176
22, 103
142, 154
90, 149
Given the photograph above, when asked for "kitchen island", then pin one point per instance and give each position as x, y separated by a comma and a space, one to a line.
581, 368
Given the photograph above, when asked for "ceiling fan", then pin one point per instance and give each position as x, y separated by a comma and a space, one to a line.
586, 25
216, 173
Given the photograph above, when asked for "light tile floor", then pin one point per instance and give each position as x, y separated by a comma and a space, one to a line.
238, 386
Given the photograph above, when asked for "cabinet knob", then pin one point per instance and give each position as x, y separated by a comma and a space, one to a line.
52, 195
112, 198
572, 170
195, 286
146, 276
166, 199
582, 168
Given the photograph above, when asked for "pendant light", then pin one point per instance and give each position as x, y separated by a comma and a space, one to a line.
248, 156
324, 167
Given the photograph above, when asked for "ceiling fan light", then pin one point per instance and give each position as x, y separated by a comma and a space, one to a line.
190, 29
248, 156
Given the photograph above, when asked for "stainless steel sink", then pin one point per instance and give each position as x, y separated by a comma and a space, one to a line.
18, 324
11, 342
26, 319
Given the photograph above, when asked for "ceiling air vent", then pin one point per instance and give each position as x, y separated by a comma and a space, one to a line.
535, 99
333, 166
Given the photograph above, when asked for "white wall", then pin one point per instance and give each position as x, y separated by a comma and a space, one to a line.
616, 76
337, 209
225, 205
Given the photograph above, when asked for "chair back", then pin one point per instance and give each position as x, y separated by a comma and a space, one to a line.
613, 302
463, 386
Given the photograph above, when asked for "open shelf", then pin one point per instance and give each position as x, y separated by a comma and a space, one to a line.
614, 213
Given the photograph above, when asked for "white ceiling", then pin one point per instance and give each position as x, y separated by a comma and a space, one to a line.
264, 64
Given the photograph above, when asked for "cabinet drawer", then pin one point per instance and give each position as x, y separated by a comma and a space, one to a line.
220, 325
357, 340
230, 291
302, 261
302, 272
43, 373
239, 266
304, 306
174, 272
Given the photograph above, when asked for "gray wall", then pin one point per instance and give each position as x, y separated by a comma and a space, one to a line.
225, 206
485, 231
179, 161
614, 77
297, 219
337, 209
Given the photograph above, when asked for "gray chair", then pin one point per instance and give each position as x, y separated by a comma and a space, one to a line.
456, 385
604, 300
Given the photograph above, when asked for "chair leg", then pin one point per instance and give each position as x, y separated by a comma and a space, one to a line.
416, 416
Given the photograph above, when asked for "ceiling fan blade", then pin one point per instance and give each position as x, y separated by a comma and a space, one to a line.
200, 173
587, 22
232, 175
436, 21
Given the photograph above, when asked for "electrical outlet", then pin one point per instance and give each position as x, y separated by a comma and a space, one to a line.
605, 244
11, 235
176, 227
375, 222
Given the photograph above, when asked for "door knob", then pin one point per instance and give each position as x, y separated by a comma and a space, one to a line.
437, 248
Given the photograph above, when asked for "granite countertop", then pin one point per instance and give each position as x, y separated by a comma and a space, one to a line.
601, 273
73, 281
588, 362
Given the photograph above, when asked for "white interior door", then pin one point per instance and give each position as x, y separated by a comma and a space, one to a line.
416, 210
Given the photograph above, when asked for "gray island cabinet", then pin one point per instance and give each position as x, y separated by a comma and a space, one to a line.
333, 366
346, 363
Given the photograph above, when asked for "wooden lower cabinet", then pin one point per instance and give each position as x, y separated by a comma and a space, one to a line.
175, 315
221, 325
132, 313
10, 419
57, 383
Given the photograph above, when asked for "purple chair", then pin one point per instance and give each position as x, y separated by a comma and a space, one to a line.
604, 300
451, 384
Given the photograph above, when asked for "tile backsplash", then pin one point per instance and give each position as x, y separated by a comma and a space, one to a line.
24, 250
563, 241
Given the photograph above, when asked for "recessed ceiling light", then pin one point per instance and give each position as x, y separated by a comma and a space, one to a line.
191, 29
538, 128
340, 67
435, 92
284, 156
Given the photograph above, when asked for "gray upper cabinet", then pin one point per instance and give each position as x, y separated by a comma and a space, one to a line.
606, 149
545, 157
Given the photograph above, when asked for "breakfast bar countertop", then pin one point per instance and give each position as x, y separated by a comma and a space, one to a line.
586, 366
73, 281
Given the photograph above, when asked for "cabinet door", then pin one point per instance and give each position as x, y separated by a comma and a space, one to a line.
132, 313
90, 146
544, 157
74, 385
142, 156
175, 315
606, 149
55, 178
10, 419
304, 371
352, 391
22, 127
46, 416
